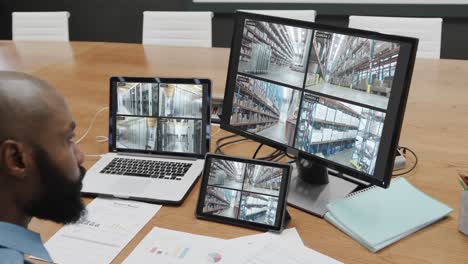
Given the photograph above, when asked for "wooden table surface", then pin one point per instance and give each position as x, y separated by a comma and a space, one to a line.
435, 127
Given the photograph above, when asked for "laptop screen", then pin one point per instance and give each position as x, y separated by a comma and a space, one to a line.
160, 116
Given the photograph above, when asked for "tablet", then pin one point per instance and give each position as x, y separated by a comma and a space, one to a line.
244, 192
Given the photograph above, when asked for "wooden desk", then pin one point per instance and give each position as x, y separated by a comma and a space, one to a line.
436, 127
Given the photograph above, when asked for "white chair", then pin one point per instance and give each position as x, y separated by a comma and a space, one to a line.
305, 15
40, 26
190, 29
427, 30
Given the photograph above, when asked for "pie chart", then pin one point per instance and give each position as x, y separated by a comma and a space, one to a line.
214, 257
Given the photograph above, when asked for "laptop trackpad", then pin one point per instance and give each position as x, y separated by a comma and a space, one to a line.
129, 186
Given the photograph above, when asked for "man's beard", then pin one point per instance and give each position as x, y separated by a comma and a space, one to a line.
59, 200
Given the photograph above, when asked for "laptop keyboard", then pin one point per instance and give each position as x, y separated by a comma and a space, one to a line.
147, 168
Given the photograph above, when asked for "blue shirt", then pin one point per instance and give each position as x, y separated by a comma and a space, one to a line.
17, 241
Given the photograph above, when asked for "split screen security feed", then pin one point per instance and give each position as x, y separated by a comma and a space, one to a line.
320, 92
247, 192
159, 117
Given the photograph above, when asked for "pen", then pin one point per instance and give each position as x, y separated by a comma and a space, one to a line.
463, 180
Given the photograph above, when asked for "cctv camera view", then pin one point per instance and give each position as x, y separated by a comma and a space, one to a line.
309, 114
243, 191
227, 174
265, 109
353, 68
159, 99
263, 179
275, 52
222, 202
258, 208
159, 134
341, 132
159, 117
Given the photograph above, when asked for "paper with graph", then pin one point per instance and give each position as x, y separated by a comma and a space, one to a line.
166, 246
174, 247
99, 237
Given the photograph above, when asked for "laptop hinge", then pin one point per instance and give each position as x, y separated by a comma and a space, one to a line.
156, 156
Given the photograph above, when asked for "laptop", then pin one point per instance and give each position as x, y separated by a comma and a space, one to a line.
159, 133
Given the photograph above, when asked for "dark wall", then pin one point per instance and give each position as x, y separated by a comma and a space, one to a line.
93, 20
122, 20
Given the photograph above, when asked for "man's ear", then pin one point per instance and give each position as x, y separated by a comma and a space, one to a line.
12, 158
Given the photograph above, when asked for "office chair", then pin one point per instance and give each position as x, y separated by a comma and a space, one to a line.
191, 29
40, 26
305, 15
427, 30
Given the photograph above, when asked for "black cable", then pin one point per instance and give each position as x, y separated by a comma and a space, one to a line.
258, 149
404, 149
289, 156
271, 156
222, 139
218, 149
279, 157
274, 155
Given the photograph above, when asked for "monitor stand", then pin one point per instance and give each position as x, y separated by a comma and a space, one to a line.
313, 187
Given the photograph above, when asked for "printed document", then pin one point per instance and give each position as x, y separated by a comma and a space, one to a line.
174, 247
99, 236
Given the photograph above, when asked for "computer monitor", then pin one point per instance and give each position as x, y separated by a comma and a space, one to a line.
334, 97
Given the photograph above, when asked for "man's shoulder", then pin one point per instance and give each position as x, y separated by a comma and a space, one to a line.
10, 256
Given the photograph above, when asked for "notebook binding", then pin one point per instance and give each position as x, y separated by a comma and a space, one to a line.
351, 195
365, 190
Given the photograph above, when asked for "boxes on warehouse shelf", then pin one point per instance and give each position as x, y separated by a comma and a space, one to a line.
321, 111
317, 135
331, 114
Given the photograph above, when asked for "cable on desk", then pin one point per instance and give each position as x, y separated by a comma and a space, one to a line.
223, 138
219, 140
404, 149
279, 157
270, 156
93, 155
274, 155
256, 151
218, 148
289, 156
91, 125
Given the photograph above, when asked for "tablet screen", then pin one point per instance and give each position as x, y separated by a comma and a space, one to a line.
246, 191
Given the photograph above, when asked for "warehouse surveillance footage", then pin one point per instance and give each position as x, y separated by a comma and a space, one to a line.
275, 52
159, 117
243, 191
320, 92
265, 108
352, 68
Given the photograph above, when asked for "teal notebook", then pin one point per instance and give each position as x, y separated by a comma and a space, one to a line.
377, 217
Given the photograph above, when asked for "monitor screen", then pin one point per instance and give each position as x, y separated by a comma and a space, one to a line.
332, 94
160, 117
243, 191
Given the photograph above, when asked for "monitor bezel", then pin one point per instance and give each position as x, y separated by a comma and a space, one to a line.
206, 113
395, 109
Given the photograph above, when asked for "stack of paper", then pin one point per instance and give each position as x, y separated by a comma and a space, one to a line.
174, 247
284, 248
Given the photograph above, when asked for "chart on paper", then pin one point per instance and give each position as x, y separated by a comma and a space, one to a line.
107, 228
180, 253
173, 247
